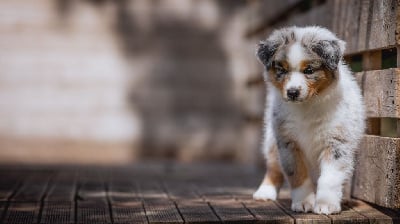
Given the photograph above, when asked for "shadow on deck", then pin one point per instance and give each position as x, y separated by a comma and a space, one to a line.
154, 193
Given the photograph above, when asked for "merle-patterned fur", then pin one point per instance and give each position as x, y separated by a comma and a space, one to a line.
265, 52
328, 50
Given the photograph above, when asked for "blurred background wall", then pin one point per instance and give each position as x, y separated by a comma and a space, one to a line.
102, 81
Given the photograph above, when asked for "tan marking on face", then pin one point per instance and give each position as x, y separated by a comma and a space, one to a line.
284, 64
274, 174
304, 64
279, 83
323, 79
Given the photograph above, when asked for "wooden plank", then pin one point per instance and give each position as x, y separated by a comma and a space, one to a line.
152, 191
394, 214
347, 215
92, 203
346, 20
3, 206
159, 208
364, 29
229, 211
268, 212
217, 196
162, 212
381, 90
33, 188
9, 183
196, 212
366, 24
22, 212
63, 188
189, 203
92, 188
24, 202
129, 212
122, 191
125, 201
302, 217
58, 212
383, 24
181, 191
338, 13
374, 215
352, 21
95, 212
214, 193
377, 171
228, 193
223, 203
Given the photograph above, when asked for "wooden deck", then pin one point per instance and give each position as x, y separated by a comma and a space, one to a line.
154, 193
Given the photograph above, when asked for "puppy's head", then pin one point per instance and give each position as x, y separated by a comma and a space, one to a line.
301, 62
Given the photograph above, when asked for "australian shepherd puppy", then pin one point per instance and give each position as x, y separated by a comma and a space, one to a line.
314, 118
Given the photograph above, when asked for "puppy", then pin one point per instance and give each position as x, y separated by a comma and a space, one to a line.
314, 118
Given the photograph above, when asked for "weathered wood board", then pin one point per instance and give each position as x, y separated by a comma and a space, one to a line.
381, 92
377, 172
173, 193
366, 24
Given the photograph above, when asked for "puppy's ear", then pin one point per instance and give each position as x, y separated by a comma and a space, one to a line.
330, 51
265, 51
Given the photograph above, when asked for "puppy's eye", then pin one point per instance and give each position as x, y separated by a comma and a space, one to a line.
308, 71
280, 71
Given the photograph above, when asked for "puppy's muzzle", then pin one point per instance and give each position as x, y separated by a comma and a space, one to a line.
293, 94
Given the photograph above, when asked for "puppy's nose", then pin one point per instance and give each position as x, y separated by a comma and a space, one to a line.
293, 93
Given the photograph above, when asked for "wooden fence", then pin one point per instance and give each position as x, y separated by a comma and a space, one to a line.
371, 29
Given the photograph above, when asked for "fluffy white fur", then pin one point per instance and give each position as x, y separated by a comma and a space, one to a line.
313, 125
266, 191
303, 197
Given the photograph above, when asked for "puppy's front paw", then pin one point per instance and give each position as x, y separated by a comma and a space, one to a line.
325, 207
303, 197
305, 205
328, 201
266, 192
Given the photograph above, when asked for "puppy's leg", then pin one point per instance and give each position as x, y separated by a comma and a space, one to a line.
336, 166
273, 178
294, 166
